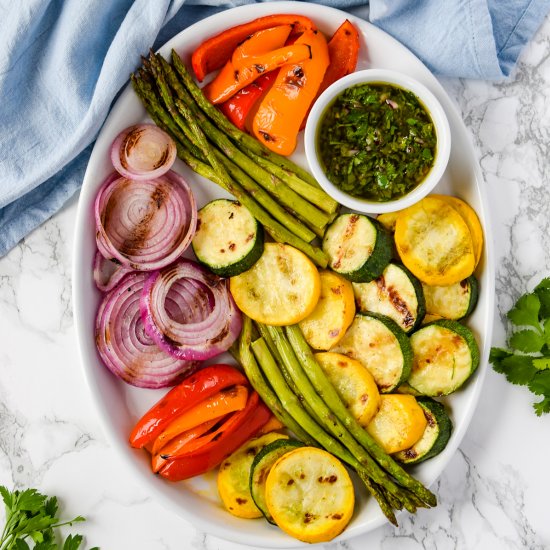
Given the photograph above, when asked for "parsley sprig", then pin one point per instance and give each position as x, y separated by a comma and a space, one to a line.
32, 515
527, 363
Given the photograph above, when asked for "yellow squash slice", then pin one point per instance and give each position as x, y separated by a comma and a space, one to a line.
388, 220
354, 384
310, 495
434, 242
332, 315
472, 221
399, 423
234, 477
281, 288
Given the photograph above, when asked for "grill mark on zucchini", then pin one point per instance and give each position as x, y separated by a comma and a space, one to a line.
398, 303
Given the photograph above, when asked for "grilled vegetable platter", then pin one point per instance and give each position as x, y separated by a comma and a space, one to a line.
275, 368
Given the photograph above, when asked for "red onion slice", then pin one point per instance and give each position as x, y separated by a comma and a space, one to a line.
208, 321
125, 347
143, 151
146, 224
107, 273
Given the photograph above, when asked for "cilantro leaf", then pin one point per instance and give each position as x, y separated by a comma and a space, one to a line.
527, 363
542, 407
540, 383
541, 363
527, 340
526, 311
31, 515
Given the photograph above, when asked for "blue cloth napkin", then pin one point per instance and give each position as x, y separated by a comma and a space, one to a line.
62, 62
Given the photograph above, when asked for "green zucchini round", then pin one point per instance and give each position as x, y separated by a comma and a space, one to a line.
261, 466
228, 240
436, 435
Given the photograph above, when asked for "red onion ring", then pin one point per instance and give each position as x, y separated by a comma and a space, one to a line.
107, 273
143, 151
208, 321
123, 344
146, 224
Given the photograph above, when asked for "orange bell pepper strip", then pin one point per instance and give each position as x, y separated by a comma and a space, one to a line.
240, 427
343, 51
237, 107
213, 53
226, 401
182, 441
193, 389
232, 78
260, 42
282, 109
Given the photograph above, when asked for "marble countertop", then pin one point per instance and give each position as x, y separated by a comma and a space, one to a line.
493, 495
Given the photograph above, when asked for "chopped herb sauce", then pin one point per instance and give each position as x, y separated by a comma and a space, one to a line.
376, 141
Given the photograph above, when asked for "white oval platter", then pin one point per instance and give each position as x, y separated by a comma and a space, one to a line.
120, 405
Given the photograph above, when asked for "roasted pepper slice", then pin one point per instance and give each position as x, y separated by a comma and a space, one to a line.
237, 107
260, 42
240, 427
343, 51
213, 53
227, 400
195, 388
233, 78
282, 109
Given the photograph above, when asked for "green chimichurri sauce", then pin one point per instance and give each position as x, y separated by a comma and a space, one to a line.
376, 141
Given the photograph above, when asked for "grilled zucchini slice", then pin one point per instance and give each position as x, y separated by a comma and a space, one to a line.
381, 346
261, 467
435, 437
310, 495
398, 424
228, 240
454, 301
434, 242
445, 356
358, 247
332, 315
282, 288
234, 477
397, 294
354, 384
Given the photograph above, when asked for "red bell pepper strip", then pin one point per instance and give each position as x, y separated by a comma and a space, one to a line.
214, 53
182, 440
189, 392
242, 426
225, 401
236, 108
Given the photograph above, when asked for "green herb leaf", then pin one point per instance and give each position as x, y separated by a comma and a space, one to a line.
527, 340
527, 363
526, 311
31, 515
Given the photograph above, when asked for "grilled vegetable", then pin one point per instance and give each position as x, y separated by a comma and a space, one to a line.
381, 346
282, 109
310, 495
354, 384
388, 220
229, 240
233, 78
397, 293
435, 437
234, 475
261, 466
332, 315
455, 301
282, 287
399, 423
472, 221
434, 242
358, 247
445, 356
217, 50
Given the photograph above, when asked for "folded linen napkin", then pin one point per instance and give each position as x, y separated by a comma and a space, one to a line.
63, 61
